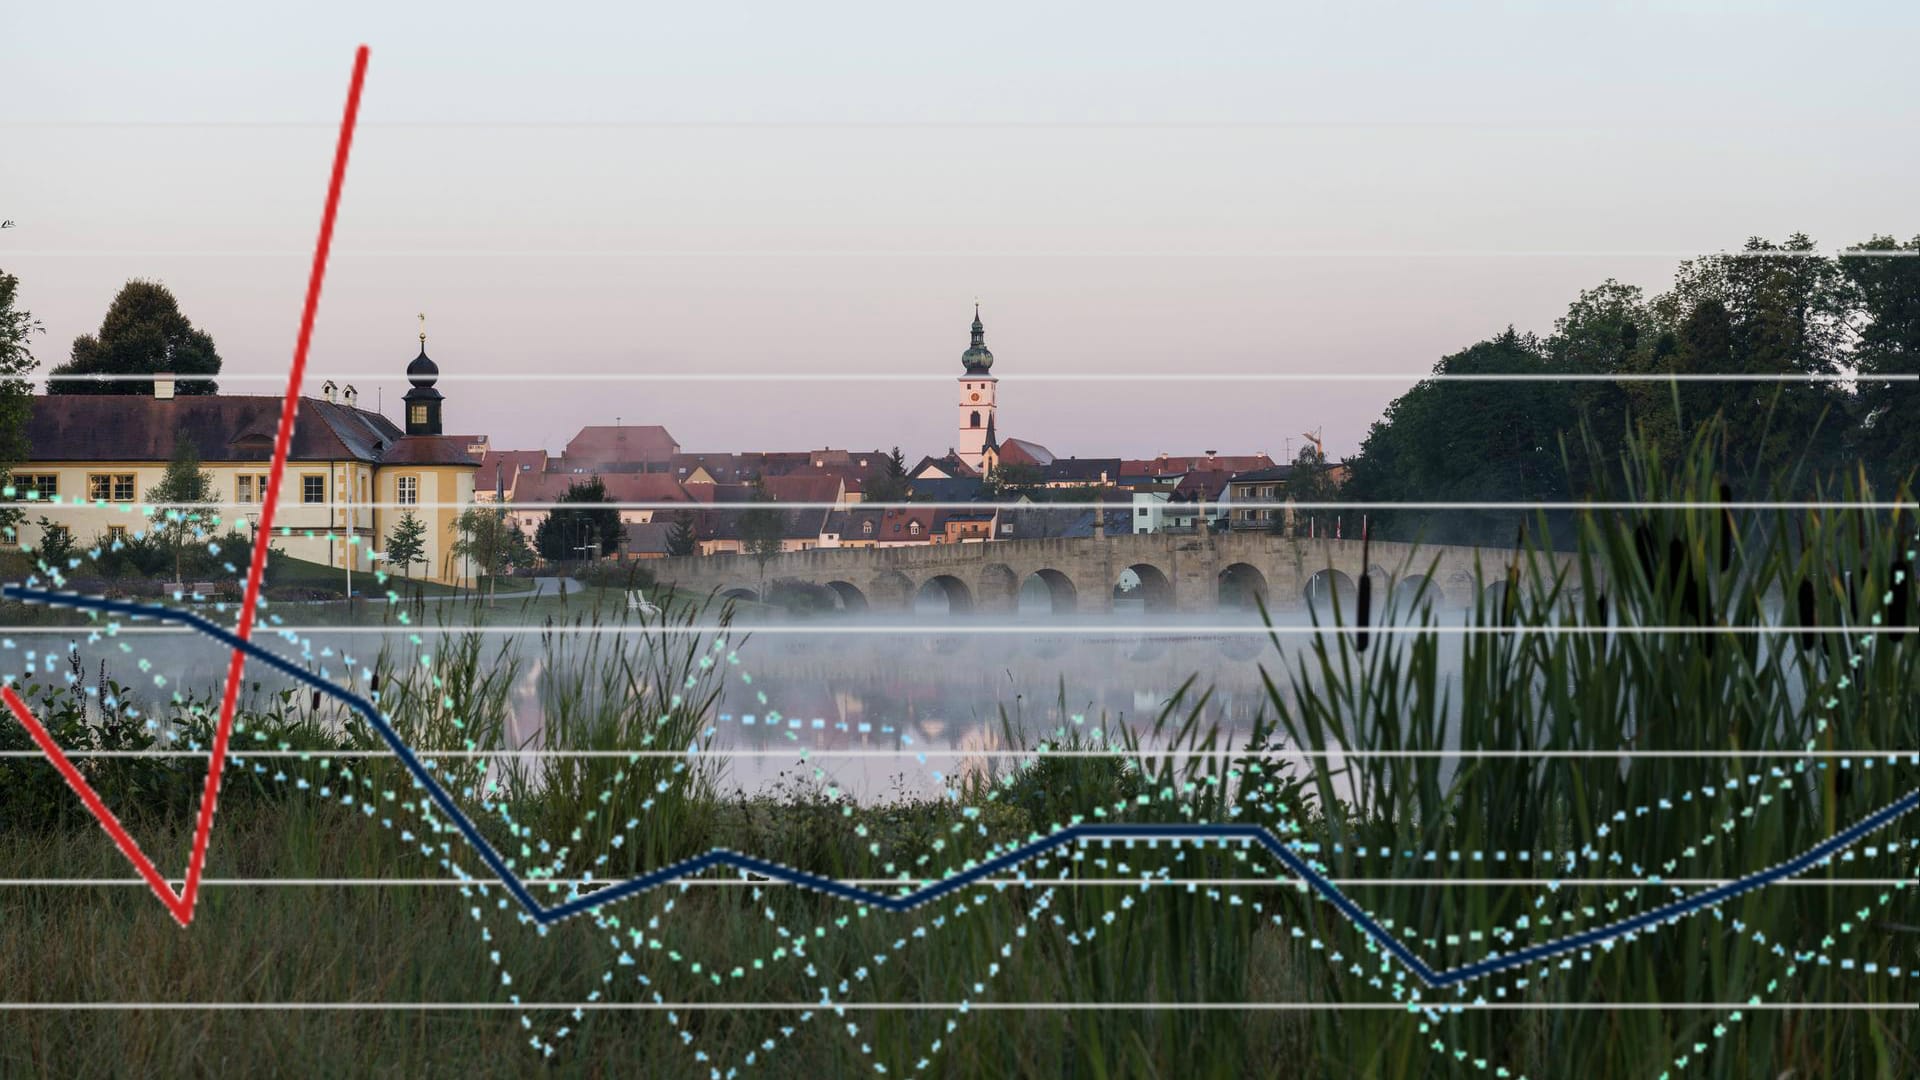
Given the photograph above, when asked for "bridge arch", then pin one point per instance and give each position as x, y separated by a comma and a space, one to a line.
1502, 598
1048, 591
1145, 584
1330, 586
943, 591
848, 595
740, 592
1460, 589
1243, 586
1413, 592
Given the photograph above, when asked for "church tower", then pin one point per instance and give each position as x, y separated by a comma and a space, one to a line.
423, 401
976, 398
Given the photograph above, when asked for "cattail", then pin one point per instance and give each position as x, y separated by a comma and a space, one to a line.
1643, 547
1366, 595
1808, 613
1726, 528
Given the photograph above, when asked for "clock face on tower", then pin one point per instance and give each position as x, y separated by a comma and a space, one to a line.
976, 397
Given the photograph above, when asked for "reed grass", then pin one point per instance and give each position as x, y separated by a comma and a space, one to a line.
1046, 941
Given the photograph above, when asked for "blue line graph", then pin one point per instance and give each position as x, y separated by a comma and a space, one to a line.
1071, 835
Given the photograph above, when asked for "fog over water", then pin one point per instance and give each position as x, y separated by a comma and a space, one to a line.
890, 689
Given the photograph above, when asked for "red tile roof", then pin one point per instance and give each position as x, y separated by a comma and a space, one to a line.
621, 487
1168, 465
626, 443
431, 450
1024, 452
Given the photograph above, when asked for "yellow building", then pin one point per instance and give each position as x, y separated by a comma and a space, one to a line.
351, 473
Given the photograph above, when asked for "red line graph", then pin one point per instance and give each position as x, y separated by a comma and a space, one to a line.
182, 903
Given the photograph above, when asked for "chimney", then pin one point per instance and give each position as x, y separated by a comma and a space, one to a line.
350, 396
163, 386
328, 391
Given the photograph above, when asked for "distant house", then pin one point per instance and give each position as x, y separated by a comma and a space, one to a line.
551, 487
1201, 499
351, 473
1258, 486
944, 489
647, 540
717, 531
1149, 510
626, 448
502, 469
1059, 522
941, 468
1024, 452
1081, 472
1166, 465
964, 526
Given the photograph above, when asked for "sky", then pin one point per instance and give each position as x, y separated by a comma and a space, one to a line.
1153, 199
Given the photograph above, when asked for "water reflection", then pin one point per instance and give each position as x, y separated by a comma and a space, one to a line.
914, 686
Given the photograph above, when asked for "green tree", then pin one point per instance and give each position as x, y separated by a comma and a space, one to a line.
184, 503
1017, 479
1310, 482
890, 486
17, 326
567, 531
680, 538
1469, 441
1767, 310
407, 543
762, 527
56, 545
490, 542
143, 333
1886, 300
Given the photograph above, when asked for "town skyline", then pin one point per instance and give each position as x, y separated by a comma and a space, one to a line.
698, 190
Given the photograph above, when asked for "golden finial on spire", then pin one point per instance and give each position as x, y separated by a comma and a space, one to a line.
423, 331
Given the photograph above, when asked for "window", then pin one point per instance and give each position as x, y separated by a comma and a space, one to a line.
866, 528
1142, 511
409, 489
976, 419
243, 489
416, 415
116, 533
110, 487
913, 528
37, 486
313, 489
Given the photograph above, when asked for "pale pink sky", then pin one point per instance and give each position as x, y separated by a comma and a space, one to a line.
1129, 189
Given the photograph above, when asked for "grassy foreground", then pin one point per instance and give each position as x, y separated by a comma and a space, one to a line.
1795, 980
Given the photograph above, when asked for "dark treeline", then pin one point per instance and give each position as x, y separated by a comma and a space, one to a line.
1770, 309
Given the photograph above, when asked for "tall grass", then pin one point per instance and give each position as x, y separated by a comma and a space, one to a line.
1372, 815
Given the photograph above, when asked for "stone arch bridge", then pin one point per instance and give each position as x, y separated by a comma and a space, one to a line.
1176, 572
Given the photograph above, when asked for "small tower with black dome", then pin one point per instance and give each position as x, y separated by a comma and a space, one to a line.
977, 397
423, 401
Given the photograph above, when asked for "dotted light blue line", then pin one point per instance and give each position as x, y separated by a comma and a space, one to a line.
1070, 835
